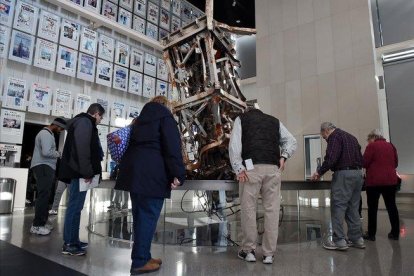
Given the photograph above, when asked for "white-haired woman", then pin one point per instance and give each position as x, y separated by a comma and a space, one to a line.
380, 162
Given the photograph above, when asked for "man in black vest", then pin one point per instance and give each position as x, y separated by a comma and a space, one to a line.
259, 146
81, 159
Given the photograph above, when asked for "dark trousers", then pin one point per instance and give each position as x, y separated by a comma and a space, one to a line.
73, 213
388, 194
145, 213
44, 176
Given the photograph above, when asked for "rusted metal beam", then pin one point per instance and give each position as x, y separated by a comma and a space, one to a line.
210, 13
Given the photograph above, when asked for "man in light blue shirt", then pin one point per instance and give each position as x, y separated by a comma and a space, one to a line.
43, 166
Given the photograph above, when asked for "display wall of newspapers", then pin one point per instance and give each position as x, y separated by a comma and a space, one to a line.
47, 39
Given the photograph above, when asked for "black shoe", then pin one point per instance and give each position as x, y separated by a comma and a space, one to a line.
391, 236
368, 237
73, 250
83, 245
247, 256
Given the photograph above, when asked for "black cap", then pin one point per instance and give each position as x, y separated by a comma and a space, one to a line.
60, 122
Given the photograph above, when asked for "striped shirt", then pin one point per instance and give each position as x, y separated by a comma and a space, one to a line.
343, 152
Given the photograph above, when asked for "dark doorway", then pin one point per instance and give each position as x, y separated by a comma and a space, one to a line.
29, 135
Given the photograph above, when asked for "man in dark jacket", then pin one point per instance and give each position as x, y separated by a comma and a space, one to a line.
150, 168
344, 158
81, 159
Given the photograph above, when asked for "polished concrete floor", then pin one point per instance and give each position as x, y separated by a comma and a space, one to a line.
299, 249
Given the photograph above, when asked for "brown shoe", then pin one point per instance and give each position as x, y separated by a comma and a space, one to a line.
147, 268
156, 261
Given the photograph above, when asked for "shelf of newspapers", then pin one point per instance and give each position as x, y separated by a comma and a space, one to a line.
100, 20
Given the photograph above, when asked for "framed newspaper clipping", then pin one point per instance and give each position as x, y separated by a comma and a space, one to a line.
66, 61
93, 5
86, 67
82, 102
125, 17
104, 73
45, 54
126, 4
49, 25
69, 34
15, 94
110, 10
106, 48
6, 12
120, 78
153, 13
140, 8
40, 99
148, 87
25, 18
62, 103
137, 60
139, 25
12, 126
150, 65
104, 103
122, 54
4, 41
21, 47
135, 83
162, 70
161, 88
88, 41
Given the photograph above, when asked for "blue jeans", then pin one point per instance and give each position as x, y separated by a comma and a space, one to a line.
145, 213
73, 213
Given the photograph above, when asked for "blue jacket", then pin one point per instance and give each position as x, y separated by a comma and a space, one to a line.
153, 157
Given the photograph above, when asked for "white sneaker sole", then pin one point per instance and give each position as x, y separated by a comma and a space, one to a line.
39, 233
335, 247
268, 262
250, 260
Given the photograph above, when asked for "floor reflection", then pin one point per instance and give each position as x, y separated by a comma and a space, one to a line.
176, 227
209, 232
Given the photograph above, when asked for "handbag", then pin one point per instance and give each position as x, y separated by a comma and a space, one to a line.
118, 142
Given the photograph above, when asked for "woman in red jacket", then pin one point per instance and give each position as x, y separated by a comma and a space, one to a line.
380, 162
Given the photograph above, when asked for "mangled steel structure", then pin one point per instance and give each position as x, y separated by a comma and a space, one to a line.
205, 87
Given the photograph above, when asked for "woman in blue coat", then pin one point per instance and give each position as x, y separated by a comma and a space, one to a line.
150, 168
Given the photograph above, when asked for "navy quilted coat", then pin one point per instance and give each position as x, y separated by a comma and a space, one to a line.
153, 157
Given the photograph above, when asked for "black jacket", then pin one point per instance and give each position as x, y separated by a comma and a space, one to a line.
153, 157
82, 153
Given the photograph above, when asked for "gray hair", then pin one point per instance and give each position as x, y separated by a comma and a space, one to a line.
327, 126
375, 134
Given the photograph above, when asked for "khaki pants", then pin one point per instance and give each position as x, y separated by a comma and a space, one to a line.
264, 179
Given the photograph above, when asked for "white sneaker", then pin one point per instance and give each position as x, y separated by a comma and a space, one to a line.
52, 212
247, 256
39, 230
268, 259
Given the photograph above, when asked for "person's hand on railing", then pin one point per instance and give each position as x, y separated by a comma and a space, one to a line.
175, 183
315, 176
